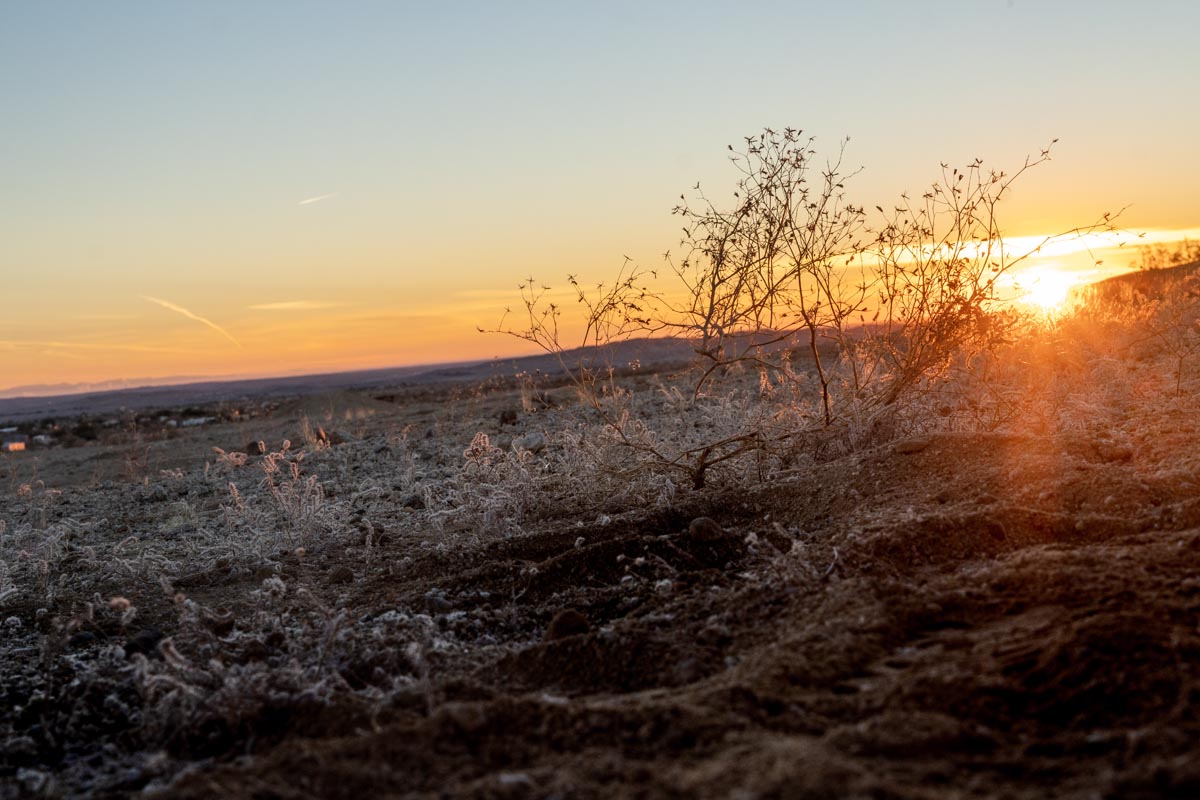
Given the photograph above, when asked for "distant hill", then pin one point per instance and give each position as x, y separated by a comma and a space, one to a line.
201, 392
1150, 283
651, 353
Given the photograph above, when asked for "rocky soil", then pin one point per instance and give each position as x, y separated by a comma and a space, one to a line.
944, 616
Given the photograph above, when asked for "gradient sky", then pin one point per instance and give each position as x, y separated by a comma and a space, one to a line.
257, 188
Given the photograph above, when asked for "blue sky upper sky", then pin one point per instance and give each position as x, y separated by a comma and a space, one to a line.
446, 150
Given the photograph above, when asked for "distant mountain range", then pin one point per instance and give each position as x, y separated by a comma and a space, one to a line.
117, 384
24, 403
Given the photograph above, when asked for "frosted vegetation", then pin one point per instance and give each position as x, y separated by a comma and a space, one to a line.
196, 611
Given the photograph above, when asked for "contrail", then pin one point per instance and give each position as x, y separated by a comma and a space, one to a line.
181, 310
317, 199
10, 344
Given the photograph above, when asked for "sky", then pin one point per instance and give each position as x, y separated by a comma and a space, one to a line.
267, 188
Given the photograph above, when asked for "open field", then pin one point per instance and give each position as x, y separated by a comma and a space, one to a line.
388, 605
599, 401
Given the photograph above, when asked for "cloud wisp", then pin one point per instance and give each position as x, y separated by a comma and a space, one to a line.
181, 310
310, 200
294, 305
12, 345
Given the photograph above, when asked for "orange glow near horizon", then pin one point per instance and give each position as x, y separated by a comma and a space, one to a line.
146, 339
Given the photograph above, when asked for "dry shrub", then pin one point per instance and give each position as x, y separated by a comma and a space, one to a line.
816, 326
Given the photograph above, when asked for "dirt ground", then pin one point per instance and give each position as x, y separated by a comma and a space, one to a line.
947, 616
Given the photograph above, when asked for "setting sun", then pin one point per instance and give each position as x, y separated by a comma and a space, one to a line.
1046, 288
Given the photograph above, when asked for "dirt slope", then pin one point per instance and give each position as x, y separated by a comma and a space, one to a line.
987, 616
961, 615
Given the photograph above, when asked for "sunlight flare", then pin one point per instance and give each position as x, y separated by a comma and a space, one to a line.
1046, 287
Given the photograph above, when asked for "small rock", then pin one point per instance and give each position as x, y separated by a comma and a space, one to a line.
341, 437
995, 529
342, 574
144, 641
463, 717
712, 545
220, 623
704, 529
81, 639
715, 634
689, 670
437, 603
255, 650
515, 779
410, 698
23, 748
567, 622
779, 539
534, 442
33, 781
913, 445
1111, 451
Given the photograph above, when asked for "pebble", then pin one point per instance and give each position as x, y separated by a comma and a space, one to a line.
466, 717
913, 445
567, 622
534, 442
144, 641
1111, 451
81, 639
342, 574
704, 529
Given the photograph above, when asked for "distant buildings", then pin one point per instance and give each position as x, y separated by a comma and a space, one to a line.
13, 444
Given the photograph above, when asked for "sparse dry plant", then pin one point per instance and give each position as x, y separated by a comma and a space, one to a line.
495, 488
299, 499
1174, 322
827, 327
1166, 255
